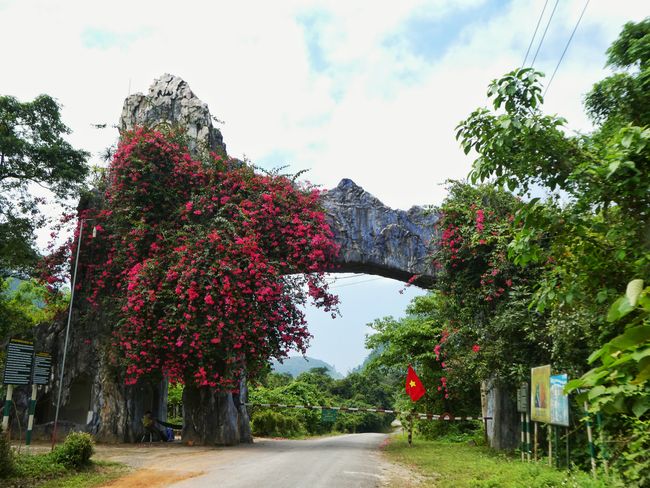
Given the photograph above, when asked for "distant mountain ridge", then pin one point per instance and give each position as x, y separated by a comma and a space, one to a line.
297, 364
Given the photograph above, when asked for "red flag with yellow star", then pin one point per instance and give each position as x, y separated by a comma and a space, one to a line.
414, 387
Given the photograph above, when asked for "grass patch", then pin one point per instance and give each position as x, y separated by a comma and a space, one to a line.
98, 473
42, 471
30, 469
446, 464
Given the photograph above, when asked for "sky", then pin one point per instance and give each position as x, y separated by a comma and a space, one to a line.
369, 90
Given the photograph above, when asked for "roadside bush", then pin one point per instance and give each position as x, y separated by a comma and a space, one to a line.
267, 423
288, 422
7, 462
632, 454
362, 422
451, 431
76, 450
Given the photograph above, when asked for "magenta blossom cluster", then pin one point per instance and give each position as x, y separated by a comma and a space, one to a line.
205, 264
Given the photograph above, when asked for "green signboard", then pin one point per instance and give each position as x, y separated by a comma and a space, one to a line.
328, 416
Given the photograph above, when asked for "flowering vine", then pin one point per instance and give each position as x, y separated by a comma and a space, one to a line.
202, 264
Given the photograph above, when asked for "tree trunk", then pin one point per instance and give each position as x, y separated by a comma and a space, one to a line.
215, 418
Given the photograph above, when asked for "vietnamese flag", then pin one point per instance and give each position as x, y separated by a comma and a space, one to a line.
414, 386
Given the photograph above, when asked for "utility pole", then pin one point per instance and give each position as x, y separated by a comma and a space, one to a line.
67, 329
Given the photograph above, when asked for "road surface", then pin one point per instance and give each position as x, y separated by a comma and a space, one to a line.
344, 461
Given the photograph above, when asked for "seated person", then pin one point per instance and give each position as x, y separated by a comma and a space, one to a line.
151, 427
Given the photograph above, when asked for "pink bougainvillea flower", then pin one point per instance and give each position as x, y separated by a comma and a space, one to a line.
204, 299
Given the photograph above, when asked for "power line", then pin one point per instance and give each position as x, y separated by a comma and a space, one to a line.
336, 278
357, 283
566, 47
539, 20
541, 41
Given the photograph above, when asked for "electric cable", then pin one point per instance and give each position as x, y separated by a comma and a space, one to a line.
584, 9
357, 283
541, 41
539, 21
336, 278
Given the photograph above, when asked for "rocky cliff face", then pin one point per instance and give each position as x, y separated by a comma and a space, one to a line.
374, 238
170, 101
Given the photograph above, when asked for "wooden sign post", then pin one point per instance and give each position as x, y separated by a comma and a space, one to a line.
40, 376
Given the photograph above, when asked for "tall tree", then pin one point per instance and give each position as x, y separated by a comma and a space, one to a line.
33, 151
594, 237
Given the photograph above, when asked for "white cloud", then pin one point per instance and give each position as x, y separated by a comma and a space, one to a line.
376, 111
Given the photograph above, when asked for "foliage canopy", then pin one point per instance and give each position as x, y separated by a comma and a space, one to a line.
33, 151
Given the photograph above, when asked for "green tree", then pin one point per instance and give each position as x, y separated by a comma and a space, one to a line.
273, 380
475, 325
593, 236
364, 388
595, 241
604, 177
32, 151
318, 377
23, 305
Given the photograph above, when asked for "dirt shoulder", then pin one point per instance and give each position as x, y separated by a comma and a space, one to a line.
154, 465
397, 475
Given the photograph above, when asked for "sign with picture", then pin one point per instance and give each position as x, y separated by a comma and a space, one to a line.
540, 394
559, 401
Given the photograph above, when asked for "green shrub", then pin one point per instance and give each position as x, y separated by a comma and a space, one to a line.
632, 458
7, 463
37, 467
451, 431
276, 424
288, 422
76, 450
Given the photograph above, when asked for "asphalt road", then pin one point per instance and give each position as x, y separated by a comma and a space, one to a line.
343, 462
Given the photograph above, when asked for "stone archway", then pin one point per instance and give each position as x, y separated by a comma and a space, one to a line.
373, 239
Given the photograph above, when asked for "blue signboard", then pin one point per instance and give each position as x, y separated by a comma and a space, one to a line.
559, 401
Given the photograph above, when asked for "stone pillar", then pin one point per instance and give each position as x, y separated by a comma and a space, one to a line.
210, 417
499, 401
